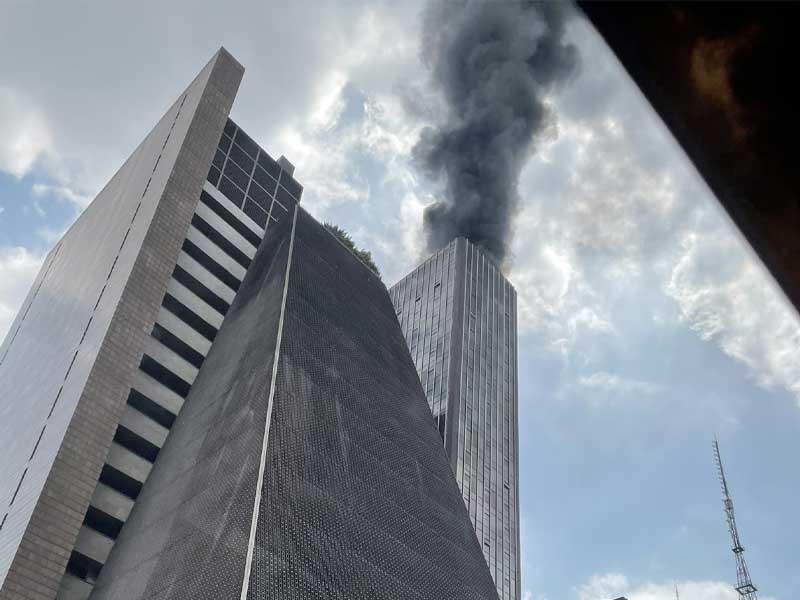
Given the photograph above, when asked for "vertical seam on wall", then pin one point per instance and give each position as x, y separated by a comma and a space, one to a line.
260, 481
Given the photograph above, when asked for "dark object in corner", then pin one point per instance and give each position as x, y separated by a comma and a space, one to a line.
721, 79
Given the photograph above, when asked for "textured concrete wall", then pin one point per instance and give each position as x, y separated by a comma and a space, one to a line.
85, 324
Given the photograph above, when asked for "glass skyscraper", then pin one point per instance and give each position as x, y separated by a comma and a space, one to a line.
458, 314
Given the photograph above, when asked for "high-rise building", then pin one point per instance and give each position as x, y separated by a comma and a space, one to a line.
111, 336
458, 314
112, 340
304, 463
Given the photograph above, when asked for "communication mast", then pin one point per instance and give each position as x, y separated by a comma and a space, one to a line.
745, 587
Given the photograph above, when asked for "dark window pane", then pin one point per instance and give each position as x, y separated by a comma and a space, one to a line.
241, 159
291, 185
213, 175
83, 567
219, 159
164, 376
269, 165
225, 143
152, 409
136, 443
279, 209
200, 290
188, 316
177, 345
211, 265
246, 143
230, 219
252, 210
265, 180
284, 197
103, 522
221, 241
235, 174
230, 128
117, 480
262, 198
233, 193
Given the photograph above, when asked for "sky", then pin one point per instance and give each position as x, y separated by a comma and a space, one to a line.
646, 323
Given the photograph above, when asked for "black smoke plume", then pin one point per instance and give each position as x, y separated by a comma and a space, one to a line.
493, 63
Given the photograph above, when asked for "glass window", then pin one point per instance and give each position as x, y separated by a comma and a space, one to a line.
230, 128
240, 158
237, 175
224, 143
213, 175
252, 210
284, 197
228, 217
219, 159
265, 180
234, 194
164, 376
259, 196
291, 185
247, 144
269, 165
152, 409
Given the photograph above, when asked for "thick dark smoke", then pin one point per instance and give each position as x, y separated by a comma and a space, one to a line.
493, 62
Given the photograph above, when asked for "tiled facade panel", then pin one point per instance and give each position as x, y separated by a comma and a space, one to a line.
359, 501
473, 319
72, 353
188, 532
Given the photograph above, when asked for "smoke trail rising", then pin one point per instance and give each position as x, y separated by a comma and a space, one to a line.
493, 62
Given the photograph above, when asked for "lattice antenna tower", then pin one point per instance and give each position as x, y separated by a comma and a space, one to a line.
745, 587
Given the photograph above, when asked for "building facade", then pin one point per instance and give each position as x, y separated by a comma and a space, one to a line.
183, 419
112, 335
304, 463
458, 314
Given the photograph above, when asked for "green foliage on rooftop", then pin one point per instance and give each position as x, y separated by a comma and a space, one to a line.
365, 256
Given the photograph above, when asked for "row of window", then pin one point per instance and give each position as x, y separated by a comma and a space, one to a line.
250, 178
96, 519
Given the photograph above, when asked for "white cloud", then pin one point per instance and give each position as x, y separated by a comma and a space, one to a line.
616, 384
18, 268
613, 585
616, 222
25, 133
355, 114
726, 296
61, 192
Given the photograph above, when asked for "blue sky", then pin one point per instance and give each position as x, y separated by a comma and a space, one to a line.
646, 323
